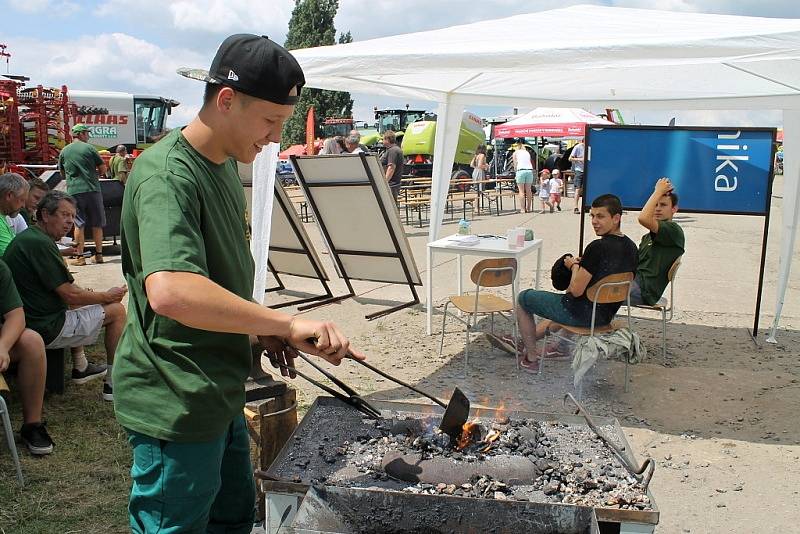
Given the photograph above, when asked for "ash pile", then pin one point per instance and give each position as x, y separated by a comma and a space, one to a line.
512, 458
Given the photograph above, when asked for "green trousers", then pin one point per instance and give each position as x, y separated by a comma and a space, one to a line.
194, 487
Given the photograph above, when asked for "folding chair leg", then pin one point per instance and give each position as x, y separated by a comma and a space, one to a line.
444, 318
664, 333
627, 362
12, 446
466, 349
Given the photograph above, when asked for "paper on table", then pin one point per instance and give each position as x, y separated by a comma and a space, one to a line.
466, 240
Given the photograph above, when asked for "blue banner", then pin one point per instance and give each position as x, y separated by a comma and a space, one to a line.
716, 170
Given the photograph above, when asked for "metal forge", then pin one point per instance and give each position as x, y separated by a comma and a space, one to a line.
507, 472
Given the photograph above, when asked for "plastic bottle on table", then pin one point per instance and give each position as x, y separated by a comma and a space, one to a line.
464, 227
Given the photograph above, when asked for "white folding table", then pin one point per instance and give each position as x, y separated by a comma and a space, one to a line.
490, 247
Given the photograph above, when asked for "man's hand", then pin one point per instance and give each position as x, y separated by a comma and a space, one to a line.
569, 261
280, 354
115, 294
663, 186
5, 359
321, 338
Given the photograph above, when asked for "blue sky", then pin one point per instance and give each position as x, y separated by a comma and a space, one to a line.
136, 45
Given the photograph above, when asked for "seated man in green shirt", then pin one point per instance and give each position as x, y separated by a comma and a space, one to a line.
64, 314
13, 193
660, 247
24, 348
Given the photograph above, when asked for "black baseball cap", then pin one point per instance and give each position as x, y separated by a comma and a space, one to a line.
254, 65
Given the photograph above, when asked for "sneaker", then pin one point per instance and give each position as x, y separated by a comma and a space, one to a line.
91, 372
558, 207
36, 438
108, 392
78, 262
98, 258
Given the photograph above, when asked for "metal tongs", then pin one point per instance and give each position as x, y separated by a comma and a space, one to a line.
642, 474
350, 396
456, 411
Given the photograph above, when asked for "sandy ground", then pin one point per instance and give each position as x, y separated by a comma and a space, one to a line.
718, 414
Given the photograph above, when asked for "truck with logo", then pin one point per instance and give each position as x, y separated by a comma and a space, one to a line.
136, 121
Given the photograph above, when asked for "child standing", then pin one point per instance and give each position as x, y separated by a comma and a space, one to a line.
544, 190
556, 186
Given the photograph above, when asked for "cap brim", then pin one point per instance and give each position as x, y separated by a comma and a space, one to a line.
196, 74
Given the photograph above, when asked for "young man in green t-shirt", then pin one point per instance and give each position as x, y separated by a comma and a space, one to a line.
660, 247
24, 348
185, 353
118, 164
80, 165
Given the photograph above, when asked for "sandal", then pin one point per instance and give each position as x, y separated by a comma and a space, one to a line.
505, 343
529, 366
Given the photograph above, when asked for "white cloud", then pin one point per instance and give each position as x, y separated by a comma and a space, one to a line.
61, 8
136, 66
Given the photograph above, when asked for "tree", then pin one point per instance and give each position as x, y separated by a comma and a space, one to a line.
312, 25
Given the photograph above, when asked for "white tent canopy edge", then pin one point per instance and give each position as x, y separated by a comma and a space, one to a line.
604, 57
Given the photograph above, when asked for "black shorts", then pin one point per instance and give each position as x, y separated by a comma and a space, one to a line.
90, 209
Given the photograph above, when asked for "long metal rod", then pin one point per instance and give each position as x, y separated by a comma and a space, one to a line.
400, 382
637, 472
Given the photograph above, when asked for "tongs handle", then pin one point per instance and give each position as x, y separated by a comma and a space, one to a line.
352, 398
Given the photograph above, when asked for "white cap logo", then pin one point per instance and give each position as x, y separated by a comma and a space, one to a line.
233, 76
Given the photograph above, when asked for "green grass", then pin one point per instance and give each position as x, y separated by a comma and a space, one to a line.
83, 486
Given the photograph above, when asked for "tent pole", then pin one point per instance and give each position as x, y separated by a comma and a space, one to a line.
791, 200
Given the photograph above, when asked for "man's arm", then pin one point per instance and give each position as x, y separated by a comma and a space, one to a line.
74, 295
12, 328
390, 171
197, 302
647, 217
580, 277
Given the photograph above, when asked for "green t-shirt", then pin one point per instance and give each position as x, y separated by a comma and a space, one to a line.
657, 253
6, 234
181, 212
79, 162
117, 166
38, 270
9, 297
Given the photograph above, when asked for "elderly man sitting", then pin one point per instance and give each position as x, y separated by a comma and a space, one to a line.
24, 348
48, 292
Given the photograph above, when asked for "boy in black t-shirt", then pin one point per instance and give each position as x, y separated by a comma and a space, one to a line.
611, 254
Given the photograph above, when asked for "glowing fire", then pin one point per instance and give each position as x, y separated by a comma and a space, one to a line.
468, 433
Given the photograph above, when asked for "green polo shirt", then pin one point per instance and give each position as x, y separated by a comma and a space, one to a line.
6, 234
38, 270
9, 297
657, 253
79, 162
181, 212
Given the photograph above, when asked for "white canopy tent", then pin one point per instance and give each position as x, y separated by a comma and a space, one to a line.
603, 57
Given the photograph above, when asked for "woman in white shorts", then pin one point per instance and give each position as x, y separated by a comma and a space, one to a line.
524, 175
